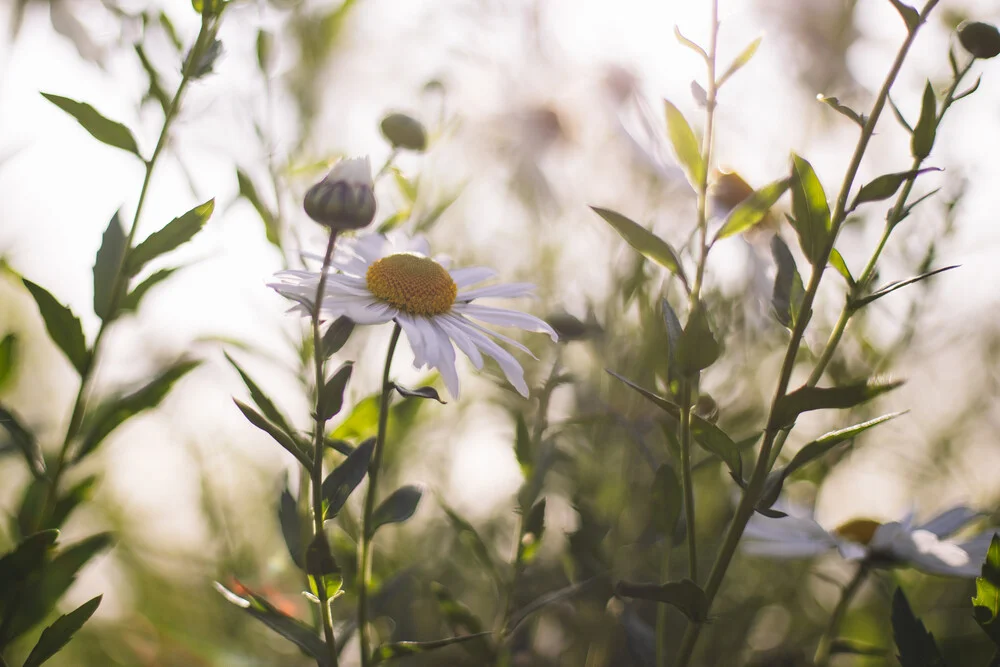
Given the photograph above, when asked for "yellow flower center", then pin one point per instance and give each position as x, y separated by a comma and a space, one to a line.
414, 284
859, 531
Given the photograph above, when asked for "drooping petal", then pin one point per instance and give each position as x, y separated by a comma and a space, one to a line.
792, 548
949, 522
415, 336
456, 330
506, 318
508, 364
445, 357
466, 323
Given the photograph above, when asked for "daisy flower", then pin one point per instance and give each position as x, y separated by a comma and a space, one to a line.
924, 547
379, 279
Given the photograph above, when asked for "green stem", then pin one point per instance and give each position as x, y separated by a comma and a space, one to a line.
833, 628
755, 486
319, 360
205, 35
663, 609
687, 483
365, 565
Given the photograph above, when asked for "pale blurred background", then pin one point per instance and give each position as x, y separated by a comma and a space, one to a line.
537, 109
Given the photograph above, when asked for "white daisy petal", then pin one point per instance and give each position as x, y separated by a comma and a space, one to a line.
455, 327
471, 275
416, 338
508, 318
508, 364
951, 521
785, 548
446, 358
504, 291
492, 334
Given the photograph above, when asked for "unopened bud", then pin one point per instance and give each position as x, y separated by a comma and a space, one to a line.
982, 40
345, 199
404, 131
728, 190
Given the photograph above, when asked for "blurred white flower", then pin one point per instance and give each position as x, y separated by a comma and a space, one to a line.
924, 547
377, 279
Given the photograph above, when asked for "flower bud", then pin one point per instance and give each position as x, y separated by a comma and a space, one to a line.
345, 199
404, 131
982, 40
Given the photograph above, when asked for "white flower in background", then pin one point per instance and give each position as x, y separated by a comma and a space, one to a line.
381, 279
924, 547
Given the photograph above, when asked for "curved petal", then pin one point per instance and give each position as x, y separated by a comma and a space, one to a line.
949, 522
787, 529
415, 335
445, 357
923, 550
502, 291
802, 548
508, 364
506, 318
471, 275
455, 327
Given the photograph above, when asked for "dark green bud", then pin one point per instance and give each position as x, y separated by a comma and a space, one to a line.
345, 199
404, 131
982, 40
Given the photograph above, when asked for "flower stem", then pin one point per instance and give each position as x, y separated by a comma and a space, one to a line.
209, 27
846, 597
755, 486
374, 468
319, 429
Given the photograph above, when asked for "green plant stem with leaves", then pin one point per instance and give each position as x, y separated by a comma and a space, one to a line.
319, 359
755, 485
374, 469
825, 646
206, 35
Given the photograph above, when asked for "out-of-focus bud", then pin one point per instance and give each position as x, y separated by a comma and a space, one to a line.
570, 328
345, 199
706, 408
728, 189
404, 131
982, 40
209, 7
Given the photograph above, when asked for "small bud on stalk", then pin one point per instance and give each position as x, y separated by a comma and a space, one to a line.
404, 131
982, 40
345, 199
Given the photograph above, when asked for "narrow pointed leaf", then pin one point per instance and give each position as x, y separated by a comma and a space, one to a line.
458, 617
339, 484
57, 635
387, 652
336, 335
915, 645
838, 263
886, 186
741, 60
805, 399
420, 392
986, 603
684, 41
899, 116
104, 130
522, 447
249, 192
397, 508
291, 527
666, 500
71, 499
898, 284
63, 326
279, 436
545, 600
910, 15
924, 131
786, 298
107, 267
697, 348
649, 245
116, 410
24, 440
130, 302
262, 400
29, 555
8, 359
674, 332
685, 144
534, 529
685, 595
178, 231
753, 209
471, 537
968, 91
811, 211
842, 109
332, 396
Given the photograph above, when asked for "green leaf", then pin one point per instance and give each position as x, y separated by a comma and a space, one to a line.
332, 396
32, 505
249, 192
897, 284
885, 186
262, 400
29, 555
910, 15
666, 500
544, 600
107, 267
130, 302
106, 131
339, 484
986, 603
786, 299
706, 434
852, 647
806, 399
397, 508
531, 538
924, 132
24, 440
740, 61
264, 50
387, 652
523, 447
899, 116
685, 595
421, 392
360, 422
813, 451
279, 436
753, 209
684, 41
115, 411
458, 617
57, 635
469, 535
63, 326
290, 628
915, 645
336, 335
178, 231
71, 499
407, 187
291, 527
838, 263
842, 109
685, 144
812, 213
697, 348
644, 241
8, 359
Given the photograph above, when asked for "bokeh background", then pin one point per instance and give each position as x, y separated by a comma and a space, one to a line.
537, 109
